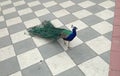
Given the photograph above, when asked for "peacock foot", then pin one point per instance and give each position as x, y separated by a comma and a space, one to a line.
64, 42
69, 47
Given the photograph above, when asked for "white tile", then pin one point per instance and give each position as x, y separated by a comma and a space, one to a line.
40, 41
19, 36
61, 13
67, 4
6, 52
16, 74
61, 42
3, 32
24, 11
59, 63
50, 4
107, 4
33, 3
79, 24
29, 58
32, 22
1, 18
86, 4
9, 10
95, 67
13, 21
106, 14
41, 12
82, 13
99, 44
18, 3
5, 2
57, 23
103, 27
75, 42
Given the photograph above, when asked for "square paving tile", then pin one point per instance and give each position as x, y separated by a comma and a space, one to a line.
16, 28
91, 20
74, 8
87, 34
9, 66
75, 71
24, 46
95, 66
106, 56
5, 41
81, 53
39, 69
68, 19
59, 63
50, 49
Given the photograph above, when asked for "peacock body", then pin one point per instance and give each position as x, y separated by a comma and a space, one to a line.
47, 30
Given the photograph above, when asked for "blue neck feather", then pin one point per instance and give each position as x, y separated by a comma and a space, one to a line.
74, 31
72, 35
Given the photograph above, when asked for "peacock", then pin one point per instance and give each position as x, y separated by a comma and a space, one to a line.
47, 30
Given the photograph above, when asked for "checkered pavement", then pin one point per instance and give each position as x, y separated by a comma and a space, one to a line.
23, 55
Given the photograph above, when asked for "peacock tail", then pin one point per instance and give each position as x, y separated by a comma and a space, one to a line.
47, 30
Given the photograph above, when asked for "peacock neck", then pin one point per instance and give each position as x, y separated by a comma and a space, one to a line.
74, 31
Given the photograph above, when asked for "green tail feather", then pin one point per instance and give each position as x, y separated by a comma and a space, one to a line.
46, 30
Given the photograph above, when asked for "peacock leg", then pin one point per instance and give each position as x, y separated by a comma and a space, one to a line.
69, 45
64, 42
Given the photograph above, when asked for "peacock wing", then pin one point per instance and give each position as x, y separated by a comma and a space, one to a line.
45, 32
65, 33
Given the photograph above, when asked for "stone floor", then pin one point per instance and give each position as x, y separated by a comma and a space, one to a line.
23, 55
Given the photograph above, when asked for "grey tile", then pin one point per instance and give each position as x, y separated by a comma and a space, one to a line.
74, 8
54, 8
95, 8
21, 7
16, 28
5, 41
112, 9
7, 6
50, 49
113, 0
37, 70
108, 35
11, 15
97, 1
75, 71
2, 25
28, 0
9, 66
47, 17
106, 56
15, 0
111, 20
24, 46
28, 16
77, 1
42, 1
68, 19
60, 1
87, 34
81, 53
38, 7
91, 20
2, 0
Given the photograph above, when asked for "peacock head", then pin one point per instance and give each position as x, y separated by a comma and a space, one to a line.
74, 27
